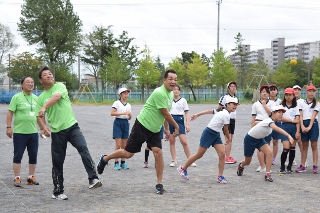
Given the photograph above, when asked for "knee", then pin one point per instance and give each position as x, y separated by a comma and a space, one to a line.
157, 152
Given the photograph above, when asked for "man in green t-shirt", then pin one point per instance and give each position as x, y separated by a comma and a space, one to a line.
55, 103
147, 128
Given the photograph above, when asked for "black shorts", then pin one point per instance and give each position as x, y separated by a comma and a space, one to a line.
139, 134
232, 126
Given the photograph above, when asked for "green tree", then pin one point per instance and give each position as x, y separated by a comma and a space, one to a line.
301, 71
54, 26
160, 66
316, 74
222, 69
147, 73
283, 76
7, 44
258, 74
198, 73
176, 65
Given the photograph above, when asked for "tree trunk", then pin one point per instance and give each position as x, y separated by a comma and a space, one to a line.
194, 96
142, 93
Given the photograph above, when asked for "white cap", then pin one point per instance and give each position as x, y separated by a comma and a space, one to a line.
232, 100
296, 87
231, 82
278, 108
121, 90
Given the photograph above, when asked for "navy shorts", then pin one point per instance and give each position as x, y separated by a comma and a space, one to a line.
289, 128
180, 121
231, 126
209, 138
250, 144
120, 128
139, 134
268, 138
276, 135
313, 134
23, 141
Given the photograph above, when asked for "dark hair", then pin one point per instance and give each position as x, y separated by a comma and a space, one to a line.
177, 86
294, 101
24, 78
314, 103
167, 73
267, 90
43, 69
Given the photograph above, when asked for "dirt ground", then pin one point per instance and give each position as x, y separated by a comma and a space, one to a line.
133, 190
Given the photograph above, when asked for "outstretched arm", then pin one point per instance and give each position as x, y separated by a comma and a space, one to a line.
194, 116
281, 131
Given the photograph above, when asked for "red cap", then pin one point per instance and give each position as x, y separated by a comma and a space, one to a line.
273, 85
311, 87
263, 87
289, 91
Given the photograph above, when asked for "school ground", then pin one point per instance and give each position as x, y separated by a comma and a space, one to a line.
133, 190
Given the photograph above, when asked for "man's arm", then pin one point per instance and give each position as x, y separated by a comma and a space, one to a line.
44, 129
52, 101
166, 114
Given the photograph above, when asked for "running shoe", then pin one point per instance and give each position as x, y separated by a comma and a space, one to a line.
282, 170
273, 161
124, 166
193, 165
289, 170
17, 182
183, 173
173, 163
295, 163
159, 189
315, 169
222, 179
101, 165
95, 183
145, 165
32, 181
60, 197
240, 170
301, 169
117, 166
229, 160
268, 178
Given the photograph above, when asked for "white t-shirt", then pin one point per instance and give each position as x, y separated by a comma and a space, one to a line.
299, 103
291, 113
120, 107
262, 129
219, 120
179, 107
307, 110
259, 111
222, 102
276, 102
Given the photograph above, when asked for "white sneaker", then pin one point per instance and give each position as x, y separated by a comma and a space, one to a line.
60, 197
259, 169
193, 165
95, 183
294, 163
173, 163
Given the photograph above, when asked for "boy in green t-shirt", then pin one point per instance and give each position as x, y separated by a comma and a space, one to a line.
147, 128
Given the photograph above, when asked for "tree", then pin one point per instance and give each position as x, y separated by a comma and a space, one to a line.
53, 25
258, 74
283, 76
222, 71
160, 66
147, 73
301, 71
7, 44
316, 73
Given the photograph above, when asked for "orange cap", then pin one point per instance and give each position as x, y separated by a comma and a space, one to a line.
311, 87
289, 91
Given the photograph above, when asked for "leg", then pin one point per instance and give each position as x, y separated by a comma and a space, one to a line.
185, 145
159, 163
274, 148
246, 161
118, 146
305, 145
284, 155
260, 156
32, 147
228, 147
16, 169
172, 141
314, 147
194, 157
268, 153
221, 153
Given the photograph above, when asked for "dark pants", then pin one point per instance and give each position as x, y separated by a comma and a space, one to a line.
23, 141
58, 152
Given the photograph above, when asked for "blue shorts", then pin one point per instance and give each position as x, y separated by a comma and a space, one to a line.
276, 135
313, 134
250, 144
268, 138
180, 121
120, 128
289, 128
209, 138
23, 141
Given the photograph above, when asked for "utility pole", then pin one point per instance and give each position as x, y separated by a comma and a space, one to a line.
218, 30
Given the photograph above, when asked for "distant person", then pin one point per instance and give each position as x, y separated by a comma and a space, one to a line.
179, 109
24, 130
121, 109
55, 105
147, 128
232, 88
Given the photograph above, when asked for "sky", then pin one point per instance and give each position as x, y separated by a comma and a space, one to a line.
170, 27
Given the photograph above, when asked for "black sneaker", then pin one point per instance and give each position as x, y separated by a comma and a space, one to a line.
240, 170
289, 170
268, 178
101, 165
159, 189
282, 170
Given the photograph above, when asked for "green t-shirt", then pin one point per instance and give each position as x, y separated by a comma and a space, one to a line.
150, 116
60, 116
24, 106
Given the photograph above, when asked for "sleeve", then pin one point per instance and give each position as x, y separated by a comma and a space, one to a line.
115, 105
254, 109
226, 119
129, 107
185, 105
317, 107
60, 89
222, 100
13, 103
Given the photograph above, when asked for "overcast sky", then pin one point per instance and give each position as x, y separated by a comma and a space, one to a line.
170, 27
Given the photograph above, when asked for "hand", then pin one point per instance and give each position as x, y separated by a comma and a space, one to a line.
263, 102
193, 117
307, 129
9, 132
45, 131
167, 135
41, 112
298, 136
187, 128
291, 139
176, 132
227, 142
129, 115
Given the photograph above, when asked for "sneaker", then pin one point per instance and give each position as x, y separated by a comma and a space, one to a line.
173, 163
32, 181
117, 166
273, 161
259, 169
301, 169
315, 169
145, 165
289, 170
17, 182
294, 163
183, 173
282, 170
193, 165
268, 178
240, 170
60, 197
229, 160
95, 183
124, 166
159, 189
222, 179
101, 165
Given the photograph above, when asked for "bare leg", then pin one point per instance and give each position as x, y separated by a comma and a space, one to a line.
228, 147
118, 145
194, 157
305, 146
314, 147
221, 153
274, 148
123, 145
16, 169
172, 141
260, 156
185, 145
268, 153
246, 161
120, 153
32, 169
159, 164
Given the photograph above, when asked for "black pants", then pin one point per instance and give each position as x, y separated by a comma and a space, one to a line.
58, 153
